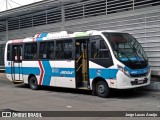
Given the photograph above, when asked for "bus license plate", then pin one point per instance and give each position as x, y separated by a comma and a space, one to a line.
140, 81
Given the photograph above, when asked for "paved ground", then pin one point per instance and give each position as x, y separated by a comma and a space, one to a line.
21, 98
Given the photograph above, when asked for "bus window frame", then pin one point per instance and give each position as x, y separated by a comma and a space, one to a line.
39, 43
11, 46
54, 40
23, 52
73, 47
105, 62
10, 56
47, 41
98, 47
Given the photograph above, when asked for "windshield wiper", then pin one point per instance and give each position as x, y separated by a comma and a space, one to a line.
134, 51
142, 55
135, 42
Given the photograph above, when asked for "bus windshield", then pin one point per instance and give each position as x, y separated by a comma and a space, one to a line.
126, 48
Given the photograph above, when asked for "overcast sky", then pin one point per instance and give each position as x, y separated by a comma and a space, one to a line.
13, 3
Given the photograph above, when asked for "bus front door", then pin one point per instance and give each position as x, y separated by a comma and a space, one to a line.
81, 64
16, 64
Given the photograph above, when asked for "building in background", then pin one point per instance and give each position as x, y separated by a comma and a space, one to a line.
141, 18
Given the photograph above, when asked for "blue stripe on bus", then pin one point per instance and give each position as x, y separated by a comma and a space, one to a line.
23, 70
43, 35
105, 73
62, 72
47, 73
39, 39
113, 73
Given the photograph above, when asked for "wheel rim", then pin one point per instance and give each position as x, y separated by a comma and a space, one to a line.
101, 89
33, 83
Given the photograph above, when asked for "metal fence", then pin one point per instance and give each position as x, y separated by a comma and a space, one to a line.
79, 10
145, 26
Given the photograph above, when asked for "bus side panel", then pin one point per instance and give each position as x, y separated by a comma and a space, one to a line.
47, 77
8, 70
64, 73
96, 70
8, 75
109, 74
30, 67
47, 74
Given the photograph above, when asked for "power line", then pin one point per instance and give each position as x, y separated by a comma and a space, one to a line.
2, 3
7, 4
15, 2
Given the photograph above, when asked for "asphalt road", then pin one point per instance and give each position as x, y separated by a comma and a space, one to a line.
21, 98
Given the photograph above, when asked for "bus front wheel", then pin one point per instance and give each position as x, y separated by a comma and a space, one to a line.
33, 83
102, 89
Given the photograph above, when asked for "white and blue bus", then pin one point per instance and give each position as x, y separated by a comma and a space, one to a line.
93, 60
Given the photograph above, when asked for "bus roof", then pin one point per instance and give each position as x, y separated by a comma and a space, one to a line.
59, 35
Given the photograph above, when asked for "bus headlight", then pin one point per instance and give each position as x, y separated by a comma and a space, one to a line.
126, 72
120, 68
148, 70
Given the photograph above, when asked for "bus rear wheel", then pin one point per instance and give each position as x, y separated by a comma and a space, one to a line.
102, 89
33, 83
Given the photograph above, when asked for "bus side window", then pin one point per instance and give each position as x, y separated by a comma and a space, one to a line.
9, 53
94, 51
30, 52
59, 49
103, 51
68, 49
99, 48
64, 49
50, 50
34, 51
43, 50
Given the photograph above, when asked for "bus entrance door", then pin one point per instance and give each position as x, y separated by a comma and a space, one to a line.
16, 63
81, 64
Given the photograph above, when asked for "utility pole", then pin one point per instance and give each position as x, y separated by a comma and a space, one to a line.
6, 4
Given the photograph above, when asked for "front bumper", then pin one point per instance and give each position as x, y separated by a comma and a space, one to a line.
125, 82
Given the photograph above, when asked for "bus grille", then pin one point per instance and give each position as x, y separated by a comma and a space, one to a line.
138, 75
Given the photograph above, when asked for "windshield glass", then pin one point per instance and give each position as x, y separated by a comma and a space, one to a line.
126, 47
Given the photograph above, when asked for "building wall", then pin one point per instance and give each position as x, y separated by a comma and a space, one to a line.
143, 24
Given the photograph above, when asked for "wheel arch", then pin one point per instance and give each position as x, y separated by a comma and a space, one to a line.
94, 82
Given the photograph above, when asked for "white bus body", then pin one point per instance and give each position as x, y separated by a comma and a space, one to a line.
95, 60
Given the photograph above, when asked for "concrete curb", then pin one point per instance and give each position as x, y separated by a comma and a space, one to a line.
153, 86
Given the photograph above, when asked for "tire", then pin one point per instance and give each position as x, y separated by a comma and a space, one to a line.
33, 84
94, 91
102, 89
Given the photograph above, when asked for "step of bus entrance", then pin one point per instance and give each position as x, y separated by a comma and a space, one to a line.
17, 81
84, 88
84, 83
